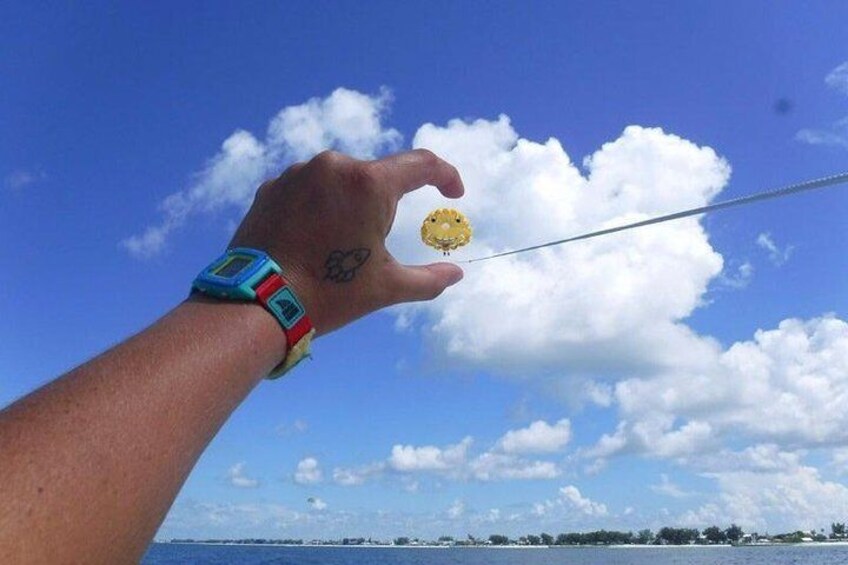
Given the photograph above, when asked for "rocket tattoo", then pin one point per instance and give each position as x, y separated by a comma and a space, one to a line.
342, 265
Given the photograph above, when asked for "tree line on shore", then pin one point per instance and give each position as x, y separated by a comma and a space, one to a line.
665, 536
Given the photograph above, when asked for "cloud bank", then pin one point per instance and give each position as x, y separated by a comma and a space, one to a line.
606, 318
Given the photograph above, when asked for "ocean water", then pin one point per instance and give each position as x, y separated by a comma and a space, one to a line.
160, 554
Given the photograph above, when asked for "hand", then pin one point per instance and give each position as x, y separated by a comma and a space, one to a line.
326, 221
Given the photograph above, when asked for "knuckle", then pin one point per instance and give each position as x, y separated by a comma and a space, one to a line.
428, 157
327, 158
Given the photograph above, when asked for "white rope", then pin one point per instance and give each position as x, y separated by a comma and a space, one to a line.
764, 195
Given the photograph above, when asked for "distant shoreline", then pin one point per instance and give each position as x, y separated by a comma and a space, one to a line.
611, 546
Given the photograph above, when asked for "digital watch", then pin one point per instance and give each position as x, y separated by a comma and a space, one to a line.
251, 275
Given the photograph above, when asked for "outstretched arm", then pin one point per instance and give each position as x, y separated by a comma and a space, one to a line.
90, 463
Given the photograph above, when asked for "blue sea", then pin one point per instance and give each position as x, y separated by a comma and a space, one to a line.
160, 554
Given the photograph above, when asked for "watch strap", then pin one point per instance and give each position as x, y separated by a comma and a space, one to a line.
277, 296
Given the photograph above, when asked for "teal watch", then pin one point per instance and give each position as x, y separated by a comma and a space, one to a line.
250, 275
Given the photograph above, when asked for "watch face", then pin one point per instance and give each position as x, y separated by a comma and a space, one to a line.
232, 270
234, 265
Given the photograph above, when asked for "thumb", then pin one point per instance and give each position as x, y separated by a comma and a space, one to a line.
424, 282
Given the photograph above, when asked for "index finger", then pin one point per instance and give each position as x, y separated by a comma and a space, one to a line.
405, 172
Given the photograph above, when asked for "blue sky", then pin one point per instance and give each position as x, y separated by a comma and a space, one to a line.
642, 394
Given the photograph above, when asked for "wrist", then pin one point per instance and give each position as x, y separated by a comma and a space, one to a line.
243, 328
251, 276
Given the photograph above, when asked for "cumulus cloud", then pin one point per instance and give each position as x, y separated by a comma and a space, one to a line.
346, 120
308, 472
238, 478
789, 495
596, 306
429, 457
571, 495
571, 500
776, 255
788, 385
538, 437
355, 476
501, 462
491, 466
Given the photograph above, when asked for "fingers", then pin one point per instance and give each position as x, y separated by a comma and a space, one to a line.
425, 282
405, 172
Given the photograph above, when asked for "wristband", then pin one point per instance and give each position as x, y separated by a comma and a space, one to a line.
245, 274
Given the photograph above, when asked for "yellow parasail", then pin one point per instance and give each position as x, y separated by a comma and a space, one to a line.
446, 229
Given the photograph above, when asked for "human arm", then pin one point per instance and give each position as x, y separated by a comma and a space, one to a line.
90, 463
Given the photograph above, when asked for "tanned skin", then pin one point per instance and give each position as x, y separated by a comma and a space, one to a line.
91, 463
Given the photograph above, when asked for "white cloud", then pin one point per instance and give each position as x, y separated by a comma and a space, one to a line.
776, 255
357, 475
790, 497
17, 180
570, 497
429, 457
656, 435
668, 488
741, 278
346, 120
237, 477
308, 472
624, 305
538, 437
491, 466
837, 133
453, 462
788, 385
456, 509
456, 463
837, 79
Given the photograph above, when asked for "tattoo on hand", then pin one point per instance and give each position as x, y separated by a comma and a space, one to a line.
342, 265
